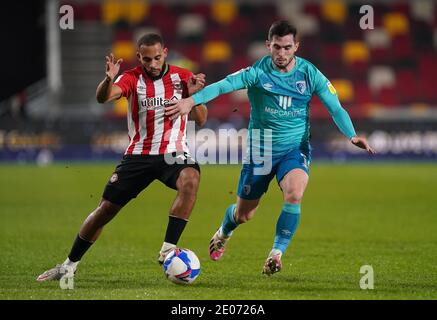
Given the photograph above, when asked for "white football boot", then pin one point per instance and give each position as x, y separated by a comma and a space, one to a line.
165, 250
217, 245
56, 273
273, 263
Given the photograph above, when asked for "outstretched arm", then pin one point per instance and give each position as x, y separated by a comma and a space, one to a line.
341, 118
233, 82
105, 90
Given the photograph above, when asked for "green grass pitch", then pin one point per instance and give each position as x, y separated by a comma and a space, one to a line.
383, 215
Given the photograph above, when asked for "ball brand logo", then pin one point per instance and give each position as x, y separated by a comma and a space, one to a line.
151, 103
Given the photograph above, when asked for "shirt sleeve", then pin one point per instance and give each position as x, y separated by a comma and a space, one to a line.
241, 79
328, 95
126, 83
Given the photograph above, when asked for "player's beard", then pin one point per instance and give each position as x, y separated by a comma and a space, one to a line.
283, 67
153, 74
156, 75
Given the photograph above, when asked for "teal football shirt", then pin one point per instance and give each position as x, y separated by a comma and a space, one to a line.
280, 103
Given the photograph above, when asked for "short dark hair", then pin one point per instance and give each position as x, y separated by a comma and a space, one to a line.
282, 28
150, 39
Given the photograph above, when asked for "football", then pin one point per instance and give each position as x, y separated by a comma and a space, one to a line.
181, 266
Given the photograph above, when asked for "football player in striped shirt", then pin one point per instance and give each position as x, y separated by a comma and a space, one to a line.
157, 146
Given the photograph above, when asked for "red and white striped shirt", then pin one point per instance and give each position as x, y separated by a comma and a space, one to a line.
150, 131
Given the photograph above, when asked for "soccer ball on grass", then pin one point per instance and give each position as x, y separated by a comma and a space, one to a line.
181, 266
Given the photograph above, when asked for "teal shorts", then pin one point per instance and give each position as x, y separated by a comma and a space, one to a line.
252, 185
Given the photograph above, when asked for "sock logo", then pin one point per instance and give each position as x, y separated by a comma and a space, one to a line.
286, 232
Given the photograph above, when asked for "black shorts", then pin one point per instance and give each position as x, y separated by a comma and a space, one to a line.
136, 172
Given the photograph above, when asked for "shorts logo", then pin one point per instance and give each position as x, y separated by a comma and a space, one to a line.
301, 86
246, 189
114, 178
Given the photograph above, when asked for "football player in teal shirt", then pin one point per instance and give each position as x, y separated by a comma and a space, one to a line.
280, 87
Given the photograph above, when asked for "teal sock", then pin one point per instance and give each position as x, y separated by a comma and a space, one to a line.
286, 225
229, 223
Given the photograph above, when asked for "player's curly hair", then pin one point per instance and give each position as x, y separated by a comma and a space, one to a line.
149, 39
282, 28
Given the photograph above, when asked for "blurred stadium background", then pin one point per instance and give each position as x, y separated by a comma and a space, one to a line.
385, 77
377, 212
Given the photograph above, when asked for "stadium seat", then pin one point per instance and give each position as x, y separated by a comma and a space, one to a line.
112, 11
191, 26
312, 8
291, 10
355, 51
239, 62
344, 88
308, 25
240, 29
381, 56
422, 35
216, 51
332, 32
193, 51
221, 108
136, 11
202, 9
120, 107
164, 18
334, 11
122, 34
393, 64
422, 10
401, 7
256, 51
352, 30
89, 12
224, 11
140, 31
388, 97
332, 53
125, 50
427, 75
396, 23
381, 77
377, 38
362, 93
407, 86
402, 50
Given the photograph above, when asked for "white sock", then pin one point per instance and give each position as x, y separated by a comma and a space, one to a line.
167, 246
274, 252
71, 264
222, 236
